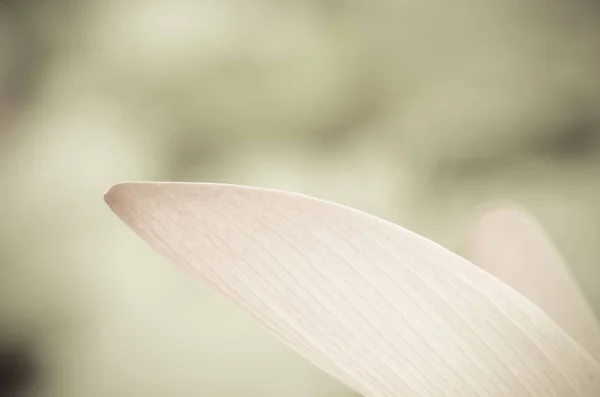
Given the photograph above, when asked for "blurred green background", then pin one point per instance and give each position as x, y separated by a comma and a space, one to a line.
419, 111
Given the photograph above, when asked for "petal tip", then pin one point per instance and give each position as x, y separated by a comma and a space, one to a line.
115, 193
121, 196
501, 213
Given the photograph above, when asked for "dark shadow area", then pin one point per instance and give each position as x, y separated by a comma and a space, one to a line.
18, 371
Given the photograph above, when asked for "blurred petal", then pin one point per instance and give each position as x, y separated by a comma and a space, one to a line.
384, 310
508, 243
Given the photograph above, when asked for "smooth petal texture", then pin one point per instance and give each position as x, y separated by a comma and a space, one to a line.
384, 310
508, 243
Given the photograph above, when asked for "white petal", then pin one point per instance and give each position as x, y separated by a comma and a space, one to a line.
384, 310
508, 243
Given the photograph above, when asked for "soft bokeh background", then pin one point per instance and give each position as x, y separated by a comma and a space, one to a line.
419, 111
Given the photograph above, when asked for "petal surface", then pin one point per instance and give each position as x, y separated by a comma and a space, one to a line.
382, 309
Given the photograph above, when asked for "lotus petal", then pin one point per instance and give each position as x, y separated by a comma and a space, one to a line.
382, 309
509, 243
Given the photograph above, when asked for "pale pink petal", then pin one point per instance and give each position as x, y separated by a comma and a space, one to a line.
384, 310
508, 243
